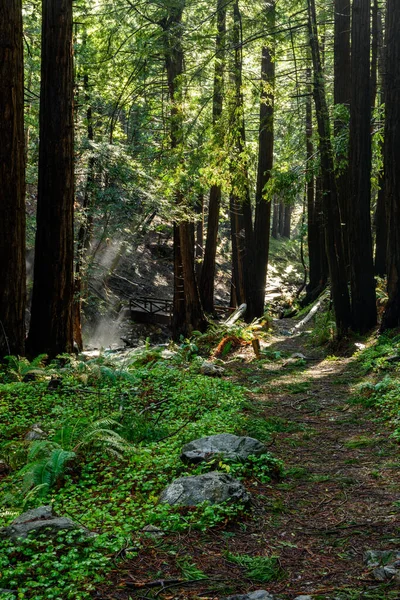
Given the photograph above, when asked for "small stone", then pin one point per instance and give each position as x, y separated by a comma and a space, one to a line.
257, 595
386, 573
153, 531
210, 369
35, 433
376, 558
303, 598
302, 357
227, 445
213, 487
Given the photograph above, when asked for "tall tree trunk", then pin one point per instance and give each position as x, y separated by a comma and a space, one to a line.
187, 309
275, 219
391, 317
363, 302
287, 221
199, 233
208, 268
51, 329
333, 237
381, 232
86, 227
239, 167
318, 274
342, 94
238, 292
262, 221
281, 218
374, 51
12, 178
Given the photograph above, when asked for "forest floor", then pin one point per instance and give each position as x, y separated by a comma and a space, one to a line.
336, 500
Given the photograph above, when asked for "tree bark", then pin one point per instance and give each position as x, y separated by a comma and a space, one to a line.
208, 268
342, 94
287, 221
275, 219
363, 301
318, 274
333, 237
391, 317
262, 223
12, 178
188, 313
51, 329
381, 233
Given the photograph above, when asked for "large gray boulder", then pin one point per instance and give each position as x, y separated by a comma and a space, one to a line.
37, 520
227, 445
257, 595
212, 487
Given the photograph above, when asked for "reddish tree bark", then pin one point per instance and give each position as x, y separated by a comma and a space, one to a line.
51, 329
12, 178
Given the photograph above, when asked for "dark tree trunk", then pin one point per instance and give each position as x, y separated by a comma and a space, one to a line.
374, 51
262, 223
363, 302
333, 237
199, 241
391, 317
239, 169
275, 219
208, 269
51, 329
281, 218
342, 96
86, 227
381, 232
287, 222
187, 309
12, 178
238, 294
318, 274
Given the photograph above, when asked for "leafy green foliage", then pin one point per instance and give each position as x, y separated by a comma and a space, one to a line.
380, 392
156, 406
258, 568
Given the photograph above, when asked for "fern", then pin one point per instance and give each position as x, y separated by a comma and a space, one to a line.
47, 459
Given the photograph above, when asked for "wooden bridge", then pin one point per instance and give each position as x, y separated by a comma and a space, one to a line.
150, 310
158, 311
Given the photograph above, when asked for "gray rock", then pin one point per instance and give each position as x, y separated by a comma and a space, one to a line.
376, 558
212, 487
388, 573
37, 520
153, 531
303, 598
229, 446
257, 595
35, 433
208, 368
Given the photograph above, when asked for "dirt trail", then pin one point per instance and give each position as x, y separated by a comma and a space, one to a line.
336, 501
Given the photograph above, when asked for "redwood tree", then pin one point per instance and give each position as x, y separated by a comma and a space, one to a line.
391, 317
51, 329
363, 303
262, 220
12, 181
187, 308
333, 234
208, 268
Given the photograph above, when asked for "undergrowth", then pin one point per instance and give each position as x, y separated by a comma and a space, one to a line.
111, 441
381, 390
